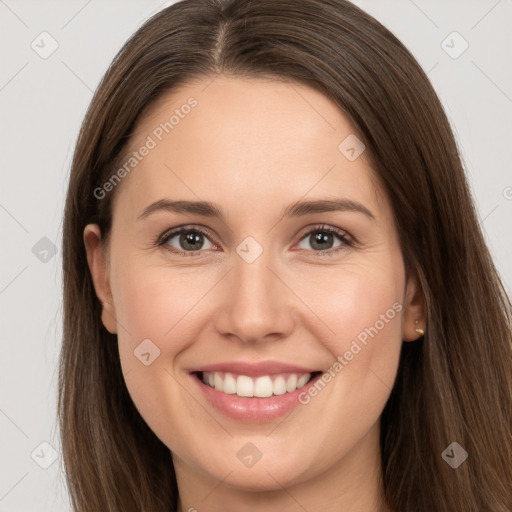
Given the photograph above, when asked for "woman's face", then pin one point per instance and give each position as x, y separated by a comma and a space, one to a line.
260, 297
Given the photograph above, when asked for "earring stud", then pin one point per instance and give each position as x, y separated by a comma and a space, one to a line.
421, 332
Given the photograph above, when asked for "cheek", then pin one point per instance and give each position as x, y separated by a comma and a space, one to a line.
362, 306
364, 311
154, 306
361, 302
154, 303
151, 308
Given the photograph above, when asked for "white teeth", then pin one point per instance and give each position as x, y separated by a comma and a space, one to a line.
229, 384
279, 386
244, 386
218, 382
291, 383
302, 380
261, 387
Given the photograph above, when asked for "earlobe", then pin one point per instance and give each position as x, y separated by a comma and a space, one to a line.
414, 319
99, 273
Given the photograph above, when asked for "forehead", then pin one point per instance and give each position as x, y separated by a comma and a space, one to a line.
250, 141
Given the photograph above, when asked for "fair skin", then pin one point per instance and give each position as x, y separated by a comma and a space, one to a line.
253, 147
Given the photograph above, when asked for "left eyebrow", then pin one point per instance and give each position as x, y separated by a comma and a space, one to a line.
326, 205
297, 209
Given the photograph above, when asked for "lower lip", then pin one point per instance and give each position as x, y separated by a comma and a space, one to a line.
252, 409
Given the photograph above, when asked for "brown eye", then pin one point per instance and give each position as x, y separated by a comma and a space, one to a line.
186, 240
322, 239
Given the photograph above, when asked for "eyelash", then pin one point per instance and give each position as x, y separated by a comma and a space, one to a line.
347, 240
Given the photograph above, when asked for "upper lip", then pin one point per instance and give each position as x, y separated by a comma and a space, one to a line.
252, 369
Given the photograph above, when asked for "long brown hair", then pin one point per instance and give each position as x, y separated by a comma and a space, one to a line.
453, 386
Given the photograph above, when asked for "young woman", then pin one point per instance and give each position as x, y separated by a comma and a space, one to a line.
277, 295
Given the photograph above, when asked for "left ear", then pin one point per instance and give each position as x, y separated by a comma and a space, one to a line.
414, 309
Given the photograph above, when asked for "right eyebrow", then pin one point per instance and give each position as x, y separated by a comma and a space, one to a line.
204, 208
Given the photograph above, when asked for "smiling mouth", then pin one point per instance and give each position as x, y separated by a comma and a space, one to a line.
258, 387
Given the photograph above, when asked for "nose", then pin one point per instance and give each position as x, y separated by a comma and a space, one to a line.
256, 304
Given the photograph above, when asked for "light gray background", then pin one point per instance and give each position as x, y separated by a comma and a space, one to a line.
42, 104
